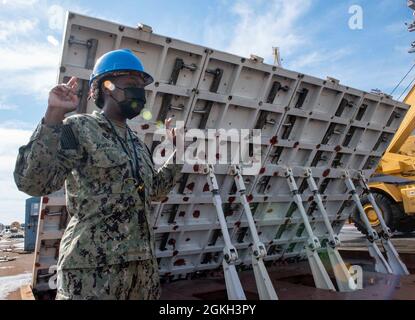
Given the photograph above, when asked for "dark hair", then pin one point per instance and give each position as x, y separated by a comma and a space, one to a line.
97, 92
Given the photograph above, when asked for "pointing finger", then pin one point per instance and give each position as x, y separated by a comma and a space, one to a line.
73, 81
167, 123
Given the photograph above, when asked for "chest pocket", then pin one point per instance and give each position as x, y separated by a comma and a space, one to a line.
108, 169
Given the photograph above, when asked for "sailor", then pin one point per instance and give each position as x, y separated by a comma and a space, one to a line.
108, 248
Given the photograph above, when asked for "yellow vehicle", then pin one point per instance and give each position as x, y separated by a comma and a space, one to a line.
393, 184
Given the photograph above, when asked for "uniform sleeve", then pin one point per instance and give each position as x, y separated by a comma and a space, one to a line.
164, 179
44, 163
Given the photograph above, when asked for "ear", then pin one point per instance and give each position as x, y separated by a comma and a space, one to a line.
105, 91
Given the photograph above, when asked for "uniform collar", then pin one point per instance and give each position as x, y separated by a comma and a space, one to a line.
100, 118
103, 122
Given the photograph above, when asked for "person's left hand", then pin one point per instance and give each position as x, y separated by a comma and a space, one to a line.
171, 132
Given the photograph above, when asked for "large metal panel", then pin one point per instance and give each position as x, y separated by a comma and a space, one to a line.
52, 222
305, 122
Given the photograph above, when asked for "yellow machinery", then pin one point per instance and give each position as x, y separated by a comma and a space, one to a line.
393, 183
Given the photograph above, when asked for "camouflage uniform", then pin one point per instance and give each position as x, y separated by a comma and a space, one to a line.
109, 239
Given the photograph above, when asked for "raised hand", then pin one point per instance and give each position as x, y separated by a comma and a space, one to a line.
171, 132
62, 99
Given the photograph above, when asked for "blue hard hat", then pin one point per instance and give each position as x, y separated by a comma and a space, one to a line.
119, 60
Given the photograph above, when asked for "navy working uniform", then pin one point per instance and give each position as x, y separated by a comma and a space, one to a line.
107, 250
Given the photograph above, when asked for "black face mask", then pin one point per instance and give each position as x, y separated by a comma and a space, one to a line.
134, 102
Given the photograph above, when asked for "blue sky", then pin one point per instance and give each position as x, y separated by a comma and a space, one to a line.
313, 35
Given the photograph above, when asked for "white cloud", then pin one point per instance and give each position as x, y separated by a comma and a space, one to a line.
30, 68
56, 16
317, 58
17, 124
23, 56
52, 40
12, 204
18, 3
29, 62
274, 24
20, 27
6, 106
255, 27
11, 137
36, 84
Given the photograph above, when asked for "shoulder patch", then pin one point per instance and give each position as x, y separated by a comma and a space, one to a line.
68, 138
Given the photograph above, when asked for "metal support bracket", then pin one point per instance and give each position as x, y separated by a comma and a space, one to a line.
320, 275
395, 262
266, 290
343, 277
230, 255
381, 265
